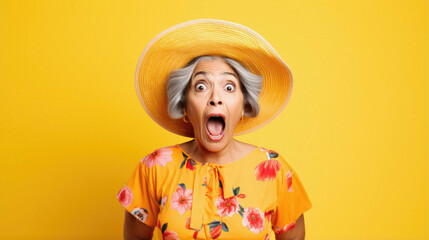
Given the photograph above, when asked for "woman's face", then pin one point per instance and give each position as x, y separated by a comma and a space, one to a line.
214, 103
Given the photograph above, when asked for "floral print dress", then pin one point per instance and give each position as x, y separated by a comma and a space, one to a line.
244, 199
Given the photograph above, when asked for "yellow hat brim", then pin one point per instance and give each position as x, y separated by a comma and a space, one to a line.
173, 48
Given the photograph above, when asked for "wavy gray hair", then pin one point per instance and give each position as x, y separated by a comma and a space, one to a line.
179, 80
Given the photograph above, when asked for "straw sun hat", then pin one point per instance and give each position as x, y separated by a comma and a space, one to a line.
175, 47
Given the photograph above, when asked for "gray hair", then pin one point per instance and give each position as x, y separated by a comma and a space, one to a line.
178, 81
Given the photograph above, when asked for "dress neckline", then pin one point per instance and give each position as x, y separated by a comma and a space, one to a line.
254, 151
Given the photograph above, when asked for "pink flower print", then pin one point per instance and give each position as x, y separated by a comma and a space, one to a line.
241, 195
267, 170
216, 231
125, 196
289, 181
226, 207
170, 235
253, 219
188, 223
188, 226
181, 200
268, 215
216, 228
190, 164
160, 156
270, 153
140, 213
285, 229
267, 237
264, 149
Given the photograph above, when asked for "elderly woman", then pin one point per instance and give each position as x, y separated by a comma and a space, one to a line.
211, 80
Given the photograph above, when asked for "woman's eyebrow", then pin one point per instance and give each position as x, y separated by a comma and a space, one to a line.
230, 73
201, 72
206, 73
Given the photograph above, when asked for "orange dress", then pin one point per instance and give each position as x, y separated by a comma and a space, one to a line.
244, 199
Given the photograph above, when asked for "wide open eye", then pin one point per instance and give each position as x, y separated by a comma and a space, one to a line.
230, 87
200, 87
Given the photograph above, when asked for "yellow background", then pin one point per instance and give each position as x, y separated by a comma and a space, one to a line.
355, 129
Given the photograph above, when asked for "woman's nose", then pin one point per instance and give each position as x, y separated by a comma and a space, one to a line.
215, 102
215, 99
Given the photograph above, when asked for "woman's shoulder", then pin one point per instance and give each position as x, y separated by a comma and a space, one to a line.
277, 156
162, 157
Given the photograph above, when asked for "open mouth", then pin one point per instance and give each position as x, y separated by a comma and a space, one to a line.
215, 126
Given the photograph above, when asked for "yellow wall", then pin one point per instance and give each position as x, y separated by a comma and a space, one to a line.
356, 127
